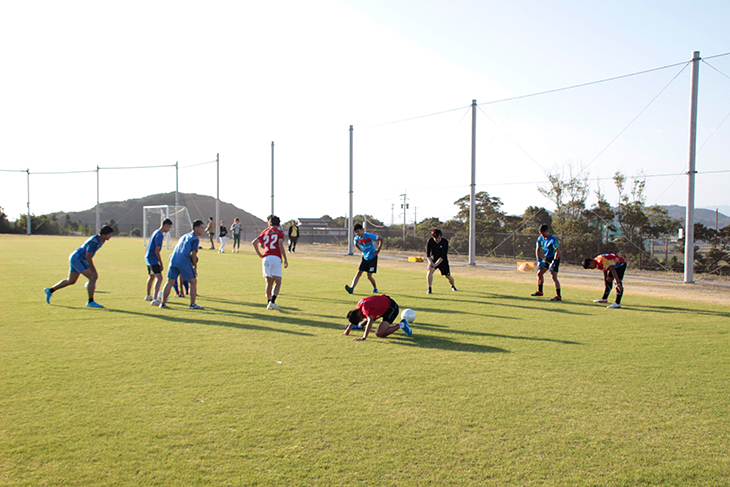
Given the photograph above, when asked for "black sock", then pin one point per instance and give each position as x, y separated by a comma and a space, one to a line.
619, 295
91, 300
539, 288
52, 290
429, 289
607, 291
273, 299
558, 291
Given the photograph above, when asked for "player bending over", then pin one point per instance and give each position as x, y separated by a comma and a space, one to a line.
81, 261
370, 309
184, 262
369, 263
272, 241
613, 268
153, 259
551, 252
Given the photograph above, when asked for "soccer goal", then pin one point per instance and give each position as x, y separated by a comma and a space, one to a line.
153, 216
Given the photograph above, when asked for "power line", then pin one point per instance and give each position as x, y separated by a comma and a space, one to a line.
414, 118
139, 167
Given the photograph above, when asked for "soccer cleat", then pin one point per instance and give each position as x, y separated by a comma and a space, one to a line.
429, 292
375, 290
93, 304
613, 306
405, 327
272, 306
164, 306
556, 298
155, 302
48, 294
149, 298
348, 289
196, 306
601, 300
538, 293
453, 288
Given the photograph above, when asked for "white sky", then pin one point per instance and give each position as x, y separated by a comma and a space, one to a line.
145, 83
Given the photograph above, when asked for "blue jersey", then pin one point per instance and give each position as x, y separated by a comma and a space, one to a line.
548, 245
156, 240
181, 255
367, 245
91, 245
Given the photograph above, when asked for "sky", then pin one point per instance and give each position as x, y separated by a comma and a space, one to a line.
131, 84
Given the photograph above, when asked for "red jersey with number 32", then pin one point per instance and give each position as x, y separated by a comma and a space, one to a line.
271, 240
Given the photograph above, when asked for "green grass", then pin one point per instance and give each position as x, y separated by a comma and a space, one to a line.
494, 387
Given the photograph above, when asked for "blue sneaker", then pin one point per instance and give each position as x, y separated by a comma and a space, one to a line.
348, 289
48, 294
375, 290
93, 304
406, 327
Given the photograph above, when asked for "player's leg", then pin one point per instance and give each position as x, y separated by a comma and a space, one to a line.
451, 281
73, 276
269, 287
150, 280
294, 245
276, 289
372, 281
158, 284
172, 274
193, 291
386, 328
540, 280
429, 278
356, 279
554, 275
91, 285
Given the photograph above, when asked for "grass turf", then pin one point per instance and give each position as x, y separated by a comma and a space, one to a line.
494, 387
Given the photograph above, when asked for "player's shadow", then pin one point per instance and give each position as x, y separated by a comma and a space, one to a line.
677, 309
200, 320
444, 343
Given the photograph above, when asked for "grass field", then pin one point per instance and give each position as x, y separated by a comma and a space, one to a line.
494, 387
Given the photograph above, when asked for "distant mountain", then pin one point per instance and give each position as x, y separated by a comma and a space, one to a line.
128, 214
702, 215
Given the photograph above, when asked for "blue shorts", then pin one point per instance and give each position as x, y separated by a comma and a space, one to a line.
186, 270
77, 265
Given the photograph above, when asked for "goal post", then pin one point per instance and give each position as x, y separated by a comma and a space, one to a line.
153, 216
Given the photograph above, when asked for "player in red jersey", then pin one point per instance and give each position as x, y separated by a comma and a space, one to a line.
272, 241
613, 268
371, 308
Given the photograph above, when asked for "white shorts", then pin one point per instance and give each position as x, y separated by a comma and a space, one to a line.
272, 266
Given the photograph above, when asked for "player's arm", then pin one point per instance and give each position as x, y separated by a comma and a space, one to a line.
368, 325
380, 245
283, 256
90, 260
194, 258
557, 254
537, 251
159, 257
255, 243
619, 286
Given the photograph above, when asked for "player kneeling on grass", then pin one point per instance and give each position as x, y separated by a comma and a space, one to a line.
551, 251
370, 309
184, 262
81, 261
153, 259
272, 240
613, 268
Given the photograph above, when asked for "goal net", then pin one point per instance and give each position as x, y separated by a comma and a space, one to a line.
155, 215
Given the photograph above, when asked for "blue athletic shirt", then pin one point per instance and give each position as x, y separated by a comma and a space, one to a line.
548, 245
181, 255
367, 245
155, 241
91, 245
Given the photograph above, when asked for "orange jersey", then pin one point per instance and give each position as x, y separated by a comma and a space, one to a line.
604, 261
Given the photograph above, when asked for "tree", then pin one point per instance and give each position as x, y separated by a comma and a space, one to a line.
489, 220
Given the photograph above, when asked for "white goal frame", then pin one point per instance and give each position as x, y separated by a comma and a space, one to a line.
153, 216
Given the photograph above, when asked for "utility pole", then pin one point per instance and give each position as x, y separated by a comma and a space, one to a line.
472, 200
689, 231
272, 177
404, 206
28, 227
350, 231
98, 216
217, 194
392, 213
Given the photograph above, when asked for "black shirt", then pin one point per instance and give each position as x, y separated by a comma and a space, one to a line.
437, 250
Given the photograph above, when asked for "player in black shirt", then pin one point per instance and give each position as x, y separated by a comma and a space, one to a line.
437, 249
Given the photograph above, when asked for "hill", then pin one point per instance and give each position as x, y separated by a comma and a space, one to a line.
128, 214
702, 215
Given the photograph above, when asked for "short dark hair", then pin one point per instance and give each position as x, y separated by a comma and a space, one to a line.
210, 218
543, 228
105, 230
197, 223
435, 233
274, 220
354, 316
358, 226
587, 263
167, 222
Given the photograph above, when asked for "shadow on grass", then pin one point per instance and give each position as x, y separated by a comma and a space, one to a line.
677, 309
442, 343
207, 322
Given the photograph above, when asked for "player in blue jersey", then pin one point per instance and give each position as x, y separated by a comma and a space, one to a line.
82, 262
369, 263
153, 259
184, 262
551, 253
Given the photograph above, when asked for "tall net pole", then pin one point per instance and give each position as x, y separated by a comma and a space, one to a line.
98, 216
272, 177
472, 200
350, 235
689, 231
176, 184
28, 227
217, 193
